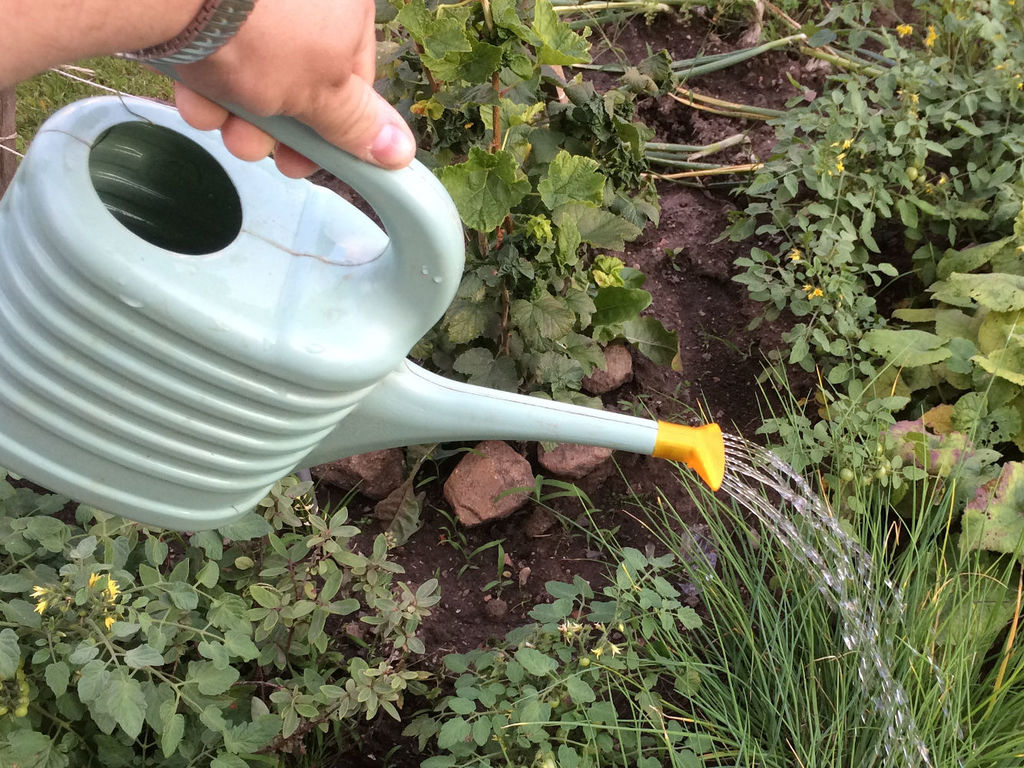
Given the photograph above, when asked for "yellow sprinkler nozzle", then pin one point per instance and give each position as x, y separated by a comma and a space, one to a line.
700, 448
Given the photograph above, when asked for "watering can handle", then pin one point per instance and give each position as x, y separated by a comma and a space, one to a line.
424, 227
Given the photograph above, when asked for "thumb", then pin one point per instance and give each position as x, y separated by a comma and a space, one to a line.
354, 117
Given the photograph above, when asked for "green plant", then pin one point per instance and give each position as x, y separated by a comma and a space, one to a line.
594, 680
539, 169
123, 645
912, 165
924, 153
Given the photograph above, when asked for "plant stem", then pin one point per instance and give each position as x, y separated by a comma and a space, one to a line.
692, 152
845, 62
728, 109
720, 170
607, 5
737, 57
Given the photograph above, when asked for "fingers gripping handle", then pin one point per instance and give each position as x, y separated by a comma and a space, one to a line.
418, 214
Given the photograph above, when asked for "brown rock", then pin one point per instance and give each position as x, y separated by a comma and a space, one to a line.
375, 474
478, 487
618, 369
572, 461
496, 608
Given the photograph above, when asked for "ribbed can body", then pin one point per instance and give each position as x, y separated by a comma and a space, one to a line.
149, 384
103, 403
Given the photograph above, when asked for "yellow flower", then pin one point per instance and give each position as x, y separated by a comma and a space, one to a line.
904, 29
93, 578
795, 255
808, 287
108, 622
848, 143
817, 293
839, 165
914, 98
39, 591
614, 649
41, 606
942, 179
597, 652
931, 37
112, 589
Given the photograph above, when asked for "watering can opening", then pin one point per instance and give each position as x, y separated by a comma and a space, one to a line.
165, 188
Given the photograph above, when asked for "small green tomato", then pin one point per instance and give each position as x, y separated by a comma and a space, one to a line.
846, 474
912, 173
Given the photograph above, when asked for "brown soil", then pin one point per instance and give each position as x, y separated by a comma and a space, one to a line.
689, 272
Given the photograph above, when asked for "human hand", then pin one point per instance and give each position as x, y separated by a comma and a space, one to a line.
312, 60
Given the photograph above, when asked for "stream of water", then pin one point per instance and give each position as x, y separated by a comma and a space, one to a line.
813, 535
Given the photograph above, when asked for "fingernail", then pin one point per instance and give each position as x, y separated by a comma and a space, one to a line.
393, 146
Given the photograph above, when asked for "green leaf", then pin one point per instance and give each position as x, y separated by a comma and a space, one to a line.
247, 527
265, 597
438, 35
545, 319
906, 347
453, 732
568, 757
599, 228
994, 519
535, 662
505, 15
10, 654
240, 645
50, 532
30, 749
249, 738
652, 339
474, 362
124, 700
173, 731
485, 188
57, 675
559, 43
93, 680
572, 178
579, 690
995, 290
184, 596
614, 304
466, 321
211, 680
1005, 363
21, 613
973, 258
143, 656
209, 574
227, 760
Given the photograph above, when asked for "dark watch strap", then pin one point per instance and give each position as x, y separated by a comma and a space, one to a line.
213, 26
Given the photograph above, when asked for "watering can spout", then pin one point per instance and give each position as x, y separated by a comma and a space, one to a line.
413, 406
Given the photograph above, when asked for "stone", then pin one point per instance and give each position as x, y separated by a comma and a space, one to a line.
478, 488
572, 461
497, 608
618, 369
375, 474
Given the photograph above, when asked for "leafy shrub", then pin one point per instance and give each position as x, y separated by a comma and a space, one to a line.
219, 648
595, 680
540, 170
891, 180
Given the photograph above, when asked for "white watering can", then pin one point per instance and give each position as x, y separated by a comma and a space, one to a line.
179, 329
